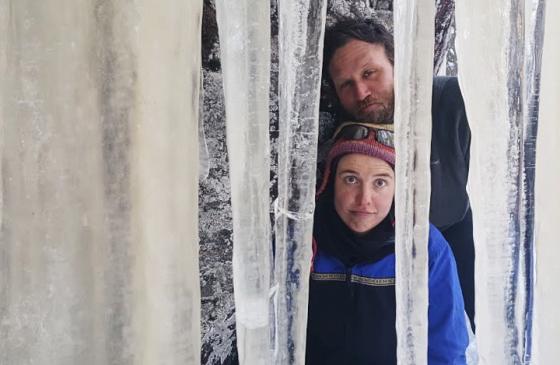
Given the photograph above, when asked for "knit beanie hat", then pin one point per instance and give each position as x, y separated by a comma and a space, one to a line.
376, 143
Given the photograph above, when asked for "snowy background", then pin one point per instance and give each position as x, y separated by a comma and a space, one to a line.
218, 311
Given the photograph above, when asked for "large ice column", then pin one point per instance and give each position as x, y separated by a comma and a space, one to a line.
531, 54
98, 128
414, 49
301, 32
547, 299
164, 182
245, 48
499, 59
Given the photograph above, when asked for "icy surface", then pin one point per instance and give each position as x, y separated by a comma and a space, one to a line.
301, 31
245, 57
414, 48
547, 299
99, 191
503, 120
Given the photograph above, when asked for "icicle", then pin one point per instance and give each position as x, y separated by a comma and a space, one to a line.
547, 299
245, 48
414, 48
500, 97
301, 32
99, 245
164, 171
533, 11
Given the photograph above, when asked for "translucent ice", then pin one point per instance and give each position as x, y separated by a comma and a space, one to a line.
245, 48
547, 194
98, 148
499, 63
301, 31
414, 49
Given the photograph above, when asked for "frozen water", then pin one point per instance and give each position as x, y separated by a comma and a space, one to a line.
547, 300
245, 48
301, 32
99, 245
165, 182
503, 119
414, 49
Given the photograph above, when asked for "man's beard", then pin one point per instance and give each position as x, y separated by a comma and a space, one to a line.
383, 115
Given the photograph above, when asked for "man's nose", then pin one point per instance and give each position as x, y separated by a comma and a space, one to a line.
362, 90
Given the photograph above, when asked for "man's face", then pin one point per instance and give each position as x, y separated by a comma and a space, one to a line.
363, 79
364, 188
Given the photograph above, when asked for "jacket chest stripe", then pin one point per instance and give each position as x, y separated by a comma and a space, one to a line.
373, 281
354, 279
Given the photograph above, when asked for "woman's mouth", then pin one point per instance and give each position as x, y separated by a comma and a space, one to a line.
361, 212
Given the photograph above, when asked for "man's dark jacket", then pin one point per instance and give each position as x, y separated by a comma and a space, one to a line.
450, 210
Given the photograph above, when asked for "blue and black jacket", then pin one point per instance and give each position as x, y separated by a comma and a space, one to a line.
352, 308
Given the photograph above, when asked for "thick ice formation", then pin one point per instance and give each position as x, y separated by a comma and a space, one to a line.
414, 48
245, 48
547, 300
99, 245
499, 61
302, 25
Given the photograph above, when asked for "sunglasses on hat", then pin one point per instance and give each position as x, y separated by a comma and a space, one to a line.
360, 131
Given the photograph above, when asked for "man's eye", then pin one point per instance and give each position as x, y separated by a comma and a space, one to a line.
344, 85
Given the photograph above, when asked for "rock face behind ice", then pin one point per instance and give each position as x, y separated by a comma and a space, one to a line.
218, 313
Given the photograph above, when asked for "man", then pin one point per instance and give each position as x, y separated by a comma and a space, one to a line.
358, 64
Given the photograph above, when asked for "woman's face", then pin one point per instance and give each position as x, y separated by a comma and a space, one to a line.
364, 188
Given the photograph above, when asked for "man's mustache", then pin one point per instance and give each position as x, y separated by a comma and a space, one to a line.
369, 101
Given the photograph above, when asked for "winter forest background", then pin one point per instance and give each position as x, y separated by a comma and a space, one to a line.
218, 309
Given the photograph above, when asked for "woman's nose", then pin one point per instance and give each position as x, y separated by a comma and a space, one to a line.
365, 196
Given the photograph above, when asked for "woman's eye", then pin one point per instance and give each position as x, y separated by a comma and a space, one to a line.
368, 73
379, 183
350, 179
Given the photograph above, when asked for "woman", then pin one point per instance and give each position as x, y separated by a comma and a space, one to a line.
352, 287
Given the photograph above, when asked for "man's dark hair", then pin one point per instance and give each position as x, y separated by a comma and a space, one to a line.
366, 30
